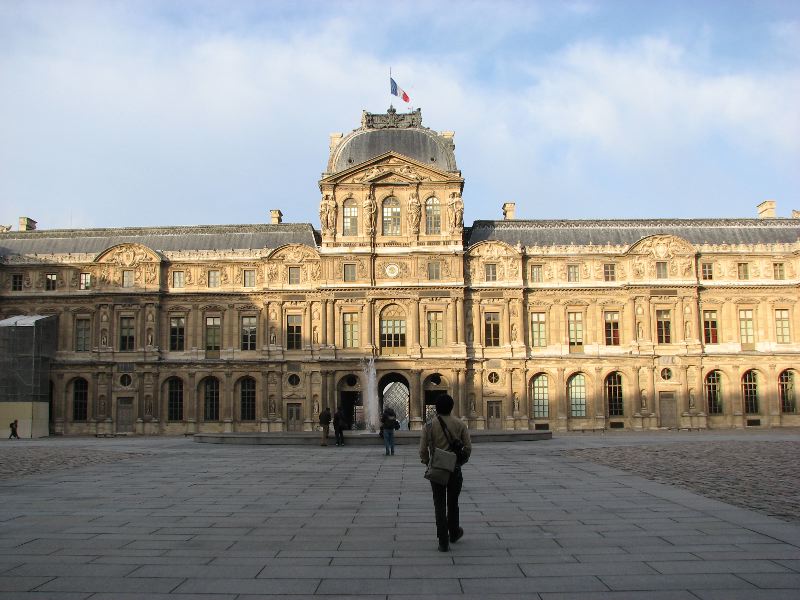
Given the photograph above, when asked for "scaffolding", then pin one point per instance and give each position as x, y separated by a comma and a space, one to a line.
27, 346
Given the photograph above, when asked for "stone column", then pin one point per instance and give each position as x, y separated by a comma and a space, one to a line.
305, 343
262, 408
460, 329
414, 318
505, 323
599, 399
461, 390
561, 401
452, 322
416, 400
189, 402
227, 403
323, 325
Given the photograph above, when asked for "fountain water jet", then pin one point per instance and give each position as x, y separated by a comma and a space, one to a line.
372, 415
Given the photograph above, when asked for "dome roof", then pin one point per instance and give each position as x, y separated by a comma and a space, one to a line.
392, 132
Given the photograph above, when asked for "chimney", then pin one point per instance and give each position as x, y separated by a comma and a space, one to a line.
336, 138
276, 216
508, 211
766, 210
27, 224
796, 214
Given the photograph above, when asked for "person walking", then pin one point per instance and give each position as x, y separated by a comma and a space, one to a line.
339, 423
441, 432
325, 423
389, 424
13, 427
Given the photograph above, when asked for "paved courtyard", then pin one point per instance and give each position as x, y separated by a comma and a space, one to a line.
669, 516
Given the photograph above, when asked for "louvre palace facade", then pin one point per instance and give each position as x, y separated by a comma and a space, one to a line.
528, 324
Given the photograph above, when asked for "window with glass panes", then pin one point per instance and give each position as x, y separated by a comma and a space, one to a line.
536, 273
713, 389
611, 328
614, 395
293, 274
664, 326
434, 270
294, 332
491, 328
573, 273
786, 392
707, 271
213, 278
83, 330
247, 399
349, 272
750, 392
211, 399
50, 282
435, 329
710, 333
127, 279
126, 333
350, 330
393, 331
746, 332
662, 270
213, 333
391, 216
782, 326
16, 282
609, 272
249, 329
538, 330
778, 271
433, 216
540, 395
175, 399
85, 281
249, 278
490, 272
80, 400
177, 279
576, 394
743, 270
350, 218
177, 333
575, 328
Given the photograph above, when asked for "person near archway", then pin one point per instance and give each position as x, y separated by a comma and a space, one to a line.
389, 424
325, 423
339, 423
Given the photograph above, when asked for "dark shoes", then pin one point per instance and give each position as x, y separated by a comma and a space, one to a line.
454, 537
444, 547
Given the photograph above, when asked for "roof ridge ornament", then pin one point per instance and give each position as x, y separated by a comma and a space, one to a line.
391, 119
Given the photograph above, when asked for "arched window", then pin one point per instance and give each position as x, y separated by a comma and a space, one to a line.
614, 395
786, 392
433, 216
211, 399
80, 399
576, 392
393, 329
247, 399
175, 399
750, 392
350, 217
540, 395
713, 390
391, 216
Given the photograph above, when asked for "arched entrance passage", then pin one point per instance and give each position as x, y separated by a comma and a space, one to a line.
348, 393
393, 391
434, 385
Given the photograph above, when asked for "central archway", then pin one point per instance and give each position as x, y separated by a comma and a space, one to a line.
393, 391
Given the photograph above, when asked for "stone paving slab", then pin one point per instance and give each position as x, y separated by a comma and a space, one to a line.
165, 518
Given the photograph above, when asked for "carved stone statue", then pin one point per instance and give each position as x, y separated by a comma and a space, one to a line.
327, 214
272, 339
414, 213
643, 397
456, 211
516, 402
370, 213
691, 399
514, 332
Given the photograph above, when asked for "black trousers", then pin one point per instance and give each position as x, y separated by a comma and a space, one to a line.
445, 504
339, 436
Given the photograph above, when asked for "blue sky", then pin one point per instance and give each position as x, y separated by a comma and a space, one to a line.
144, 113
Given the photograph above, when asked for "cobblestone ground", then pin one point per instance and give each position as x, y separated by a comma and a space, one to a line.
36, 460
760, 476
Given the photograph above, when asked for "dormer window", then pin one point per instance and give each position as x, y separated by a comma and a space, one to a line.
391, 216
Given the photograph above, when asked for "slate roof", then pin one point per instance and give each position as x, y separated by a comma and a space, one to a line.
420, 144
160, 239
628, 232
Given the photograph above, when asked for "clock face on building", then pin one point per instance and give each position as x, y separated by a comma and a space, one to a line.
392, 270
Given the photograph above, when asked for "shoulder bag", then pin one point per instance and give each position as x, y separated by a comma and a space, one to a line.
441, 462
456, 445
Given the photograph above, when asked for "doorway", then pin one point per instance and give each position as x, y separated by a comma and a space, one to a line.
493, 414
124, 415
348, 402
668, 410
294, 417
393, 392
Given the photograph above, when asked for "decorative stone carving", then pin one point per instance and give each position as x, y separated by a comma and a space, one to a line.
370, 213
414, 213
455, 211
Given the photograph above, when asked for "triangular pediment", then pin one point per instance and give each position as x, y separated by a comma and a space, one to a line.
390, 168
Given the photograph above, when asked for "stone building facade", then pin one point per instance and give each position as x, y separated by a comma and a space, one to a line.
529, 324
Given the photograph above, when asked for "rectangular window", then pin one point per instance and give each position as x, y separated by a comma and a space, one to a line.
16, 282
177, 279
349, 272
177, 333
743, 271
662, 270
490, 272
294, 275
350, 330
126, 335
391, 217
213, 334
50, 281
710, 331
393, 333
575, 327
492, 329
746, 332
778, 271
610, 272
249, 329
127, 278
435, 329
434, 270
213, 278
538, 330
85, 281
350, 223
249, 278
541, 402
707, 271
664, 326
83, 331
612, 328
294, 332
536, 273
573, 273
248, 398
782, 326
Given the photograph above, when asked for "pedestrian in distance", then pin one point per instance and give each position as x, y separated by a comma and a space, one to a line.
389, 424
446, 433
325, 423
13, 427
339, 423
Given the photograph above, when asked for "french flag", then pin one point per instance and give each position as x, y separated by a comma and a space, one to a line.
398, 91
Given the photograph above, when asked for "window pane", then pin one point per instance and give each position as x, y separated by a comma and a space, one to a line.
664, 326
294, 332
538, 330
80, 400
433, 216
247, 399
434, 270
778, 271
614, 395
211, 400
126, 337
541, 402
85, 282
612, 328
573, 273
435, 329
714, 393
750, 392
82, 335
576, 391
391, 216
177, 279
249, 278
177, 333
349, 272
350, 226
536, 273
710, 334
50, 281
743, 271
249, 329
707, 271
350, 332
16, 282
575, 324
746, 333
661, 270
393, 333
492, 328
786, 391
175, 400
213, 333
294, 275
490, 272
610, 272
782, 326
127, 279
213, 279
